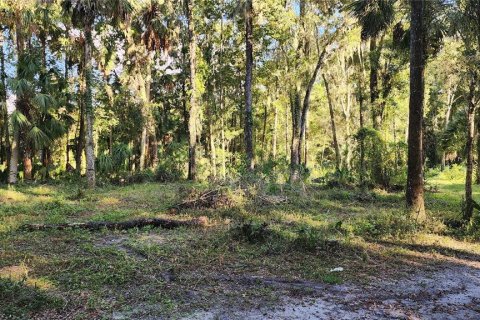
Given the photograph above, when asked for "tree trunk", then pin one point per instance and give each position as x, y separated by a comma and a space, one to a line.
222, 105
450, 101
15, 151
286, 133
332, 123
306, 99
469, 205
89, 115
305, 144
376, 118
361, 99
4, 111
274, 135
415, 190
193, 115
15, 154
248, 84
374, 94
265, 118
67, 103
295, 150
143, 146
81, 127
146, 112
213, 151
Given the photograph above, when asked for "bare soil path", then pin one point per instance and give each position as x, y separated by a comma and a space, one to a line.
452, 291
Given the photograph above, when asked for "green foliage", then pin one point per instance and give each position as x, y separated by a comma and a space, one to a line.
115, 162
252, 231
384, 224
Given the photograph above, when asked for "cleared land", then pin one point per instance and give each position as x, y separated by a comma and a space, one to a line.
259, 252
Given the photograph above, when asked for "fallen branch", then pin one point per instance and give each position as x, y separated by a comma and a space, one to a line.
124, 225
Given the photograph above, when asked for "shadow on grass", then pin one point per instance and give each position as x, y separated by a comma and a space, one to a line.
422, 248
18, 299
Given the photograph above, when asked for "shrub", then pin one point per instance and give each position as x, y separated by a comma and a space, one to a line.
252, 231
384, 224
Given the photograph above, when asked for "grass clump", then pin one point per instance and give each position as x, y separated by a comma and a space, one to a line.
384, 224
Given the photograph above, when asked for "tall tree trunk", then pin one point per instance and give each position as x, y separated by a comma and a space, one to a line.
295, 150
248, 84
450, 101
193, 115
15, 150
376, 118
332, 123
89, 116
306, 99
81, 126
415, 190
265, 118
4, 111
361, 100
222, 103
213, 151
67, 103
286, 133
274, 134
145, 97
469, 205
305, 144
374, 94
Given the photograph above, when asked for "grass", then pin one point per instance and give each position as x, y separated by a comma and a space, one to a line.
171, 272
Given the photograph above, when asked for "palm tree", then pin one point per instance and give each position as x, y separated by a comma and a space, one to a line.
414, 193
16, 15
83, 14
4, 132
467, 26
193, 131
374, 16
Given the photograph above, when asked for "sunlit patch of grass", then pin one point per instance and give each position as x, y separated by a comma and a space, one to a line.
12, 196
43, 190
109, 201
22, 273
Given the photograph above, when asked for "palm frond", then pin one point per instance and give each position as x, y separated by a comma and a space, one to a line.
374, 15
38, 138
44, 102
19, 120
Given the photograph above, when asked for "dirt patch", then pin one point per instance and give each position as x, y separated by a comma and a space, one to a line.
451, 292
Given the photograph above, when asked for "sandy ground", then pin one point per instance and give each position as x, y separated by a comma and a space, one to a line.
452, 291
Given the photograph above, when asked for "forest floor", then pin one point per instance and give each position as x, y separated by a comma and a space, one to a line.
269, 253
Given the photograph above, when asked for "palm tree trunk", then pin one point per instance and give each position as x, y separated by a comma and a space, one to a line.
295, 150
468, 209
361, 100
89, 116
332, 123
81, 128
193, 115
274, 134
3, 100
15, 151
248, 84
414, 193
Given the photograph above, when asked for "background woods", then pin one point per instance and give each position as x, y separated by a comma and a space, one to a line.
295, 90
